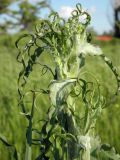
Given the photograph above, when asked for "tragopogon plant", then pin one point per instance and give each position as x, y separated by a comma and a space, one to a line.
64, 135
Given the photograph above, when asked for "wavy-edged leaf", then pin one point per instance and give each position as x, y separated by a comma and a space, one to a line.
114, 70
59, 91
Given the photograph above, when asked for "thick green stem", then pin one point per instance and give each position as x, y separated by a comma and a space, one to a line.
72, 146
69, 125
28, 154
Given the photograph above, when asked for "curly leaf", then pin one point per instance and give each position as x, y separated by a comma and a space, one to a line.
59, 91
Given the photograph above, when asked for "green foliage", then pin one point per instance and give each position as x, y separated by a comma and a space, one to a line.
62, 136
13, 125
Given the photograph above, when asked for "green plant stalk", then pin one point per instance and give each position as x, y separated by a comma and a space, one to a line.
71, 128
64, 102
28, 154
65, 117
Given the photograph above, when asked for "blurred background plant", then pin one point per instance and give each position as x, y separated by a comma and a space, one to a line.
16, 18
24, 16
